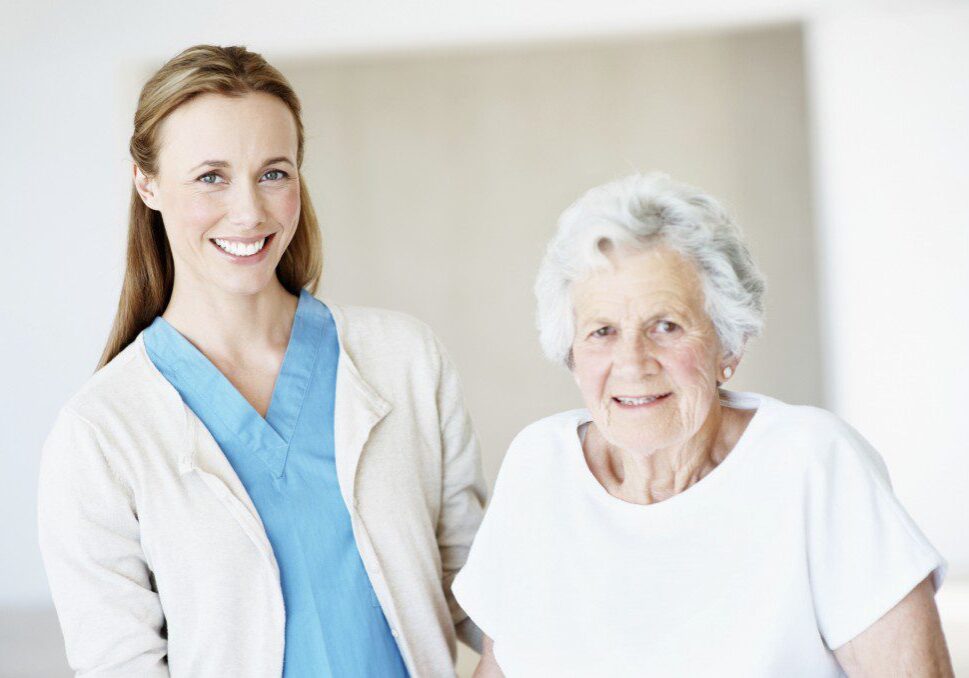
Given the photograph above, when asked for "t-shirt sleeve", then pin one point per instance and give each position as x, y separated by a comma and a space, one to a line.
482, 587
865, 553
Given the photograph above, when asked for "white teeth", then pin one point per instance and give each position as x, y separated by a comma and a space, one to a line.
240, 249
636, 401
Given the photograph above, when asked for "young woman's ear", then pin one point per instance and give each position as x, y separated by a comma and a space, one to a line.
147, 188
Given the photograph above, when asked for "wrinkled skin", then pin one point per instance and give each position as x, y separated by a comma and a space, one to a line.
642, 331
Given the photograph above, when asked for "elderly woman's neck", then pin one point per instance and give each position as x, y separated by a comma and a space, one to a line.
648, 477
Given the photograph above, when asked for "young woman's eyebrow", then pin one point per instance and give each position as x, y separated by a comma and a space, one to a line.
281, 158
224, 163
210, 163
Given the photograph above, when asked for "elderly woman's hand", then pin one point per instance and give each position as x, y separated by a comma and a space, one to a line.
488, 667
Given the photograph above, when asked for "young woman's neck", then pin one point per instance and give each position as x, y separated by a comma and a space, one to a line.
231, 325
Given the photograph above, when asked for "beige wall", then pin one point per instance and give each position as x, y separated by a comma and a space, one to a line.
438, 179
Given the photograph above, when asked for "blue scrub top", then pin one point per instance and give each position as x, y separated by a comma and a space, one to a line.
334, 623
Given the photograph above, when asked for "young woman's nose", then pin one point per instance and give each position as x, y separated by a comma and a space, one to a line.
245, 208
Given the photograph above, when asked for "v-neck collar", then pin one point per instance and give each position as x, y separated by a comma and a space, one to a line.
299, 364
267, 438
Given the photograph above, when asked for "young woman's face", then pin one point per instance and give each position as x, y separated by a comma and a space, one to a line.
227, 188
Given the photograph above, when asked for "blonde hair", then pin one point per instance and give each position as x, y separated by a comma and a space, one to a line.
149, 268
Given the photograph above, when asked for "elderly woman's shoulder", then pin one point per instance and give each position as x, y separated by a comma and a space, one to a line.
538, 450
549, 437
823, 438
809, 421
807, 418
561, 426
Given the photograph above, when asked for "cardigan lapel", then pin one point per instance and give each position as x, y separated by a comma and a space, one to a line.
199, 453
212, 466
357, 409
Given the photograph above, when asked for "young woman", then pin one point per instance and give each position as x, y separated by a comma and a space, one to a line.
254, 483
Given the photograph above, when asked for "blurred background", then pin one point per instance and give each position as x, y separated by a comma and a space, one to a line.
444, 138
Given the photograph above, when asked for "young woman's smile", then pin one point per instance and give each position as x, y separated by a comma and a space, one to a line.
244, 251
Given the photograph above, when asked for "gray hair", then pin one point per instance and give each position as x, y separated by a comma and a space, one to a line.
639, 212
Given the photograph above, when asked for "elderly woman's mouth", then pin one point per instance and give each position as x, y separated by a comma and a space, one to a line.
640, 401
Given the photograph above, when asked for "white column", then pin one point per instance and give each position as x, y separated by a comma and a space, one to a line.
890, 99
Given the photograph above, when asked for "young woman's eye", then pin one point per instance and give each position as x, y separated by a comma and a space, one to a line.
210, 178
666, 327
274, 175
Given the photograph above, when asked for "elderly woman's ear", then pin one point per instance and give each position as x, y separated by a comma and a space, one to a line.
728, 367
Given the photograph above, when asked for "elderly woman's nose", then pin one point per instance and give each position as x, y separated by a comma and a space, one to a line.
245, 206
636, 352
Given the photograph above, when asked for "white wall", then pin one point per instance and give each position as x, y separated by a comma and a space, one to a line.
890, 92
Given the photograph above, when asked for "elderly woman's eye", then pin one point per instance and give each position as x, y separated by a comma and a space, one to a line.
602, 332
666, 327
275, 175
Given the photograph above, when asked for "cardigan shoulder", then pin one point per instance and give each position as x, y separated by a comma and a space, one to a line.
125, 414
360, 327
129, 388
385, 344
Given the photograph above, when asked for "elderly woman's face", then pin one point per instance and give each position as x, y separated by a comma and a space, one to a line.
645, 355
228, 189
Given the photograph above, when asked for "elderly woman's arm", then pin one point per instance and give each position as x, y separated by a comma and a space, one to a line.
907, 641
488, 667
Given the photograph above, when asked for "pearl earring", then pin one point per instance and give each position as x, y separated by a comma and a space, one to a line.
727, 372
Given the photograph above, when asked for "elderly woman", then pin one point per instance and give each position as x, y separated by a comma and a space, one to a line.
674, 528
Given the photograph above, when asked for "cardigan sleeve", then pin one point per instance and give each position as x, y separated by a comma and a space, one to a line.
111, 617
464, 492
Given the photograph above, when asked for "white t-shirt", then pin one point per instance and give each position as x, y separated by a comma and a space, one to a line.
794, 544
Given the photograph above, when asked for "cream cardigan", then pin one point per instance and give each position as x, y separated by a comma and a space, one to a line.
158, 562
